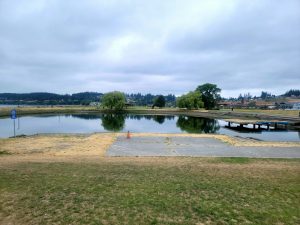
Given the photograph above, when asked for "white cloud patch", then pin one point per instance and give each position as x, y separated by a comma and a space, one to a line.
149, 46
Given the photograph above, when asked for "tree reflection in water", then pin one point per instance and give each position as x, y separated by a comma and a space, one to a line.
159, 119
197, 125
87, 116
113, 122
116, 122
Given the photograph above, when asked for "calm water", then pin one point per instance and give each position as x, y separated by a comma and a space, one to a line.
87, 123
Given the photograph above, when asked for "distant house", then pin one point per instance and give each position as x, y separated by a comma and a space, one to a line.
265, 105
284, 105
224, 104
129, 103
296, 106
94, 104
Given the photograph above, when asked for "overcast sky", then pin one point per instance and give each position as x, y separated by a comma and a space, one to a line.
156, 46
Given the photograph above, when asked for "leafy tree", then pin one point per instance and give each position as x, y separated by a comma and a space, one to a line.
159, 101
114, 100
191, 100
113, 122
210, 94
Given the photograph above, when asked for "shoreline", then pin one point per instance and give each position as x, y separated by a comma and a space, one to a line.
216, 114
97, 144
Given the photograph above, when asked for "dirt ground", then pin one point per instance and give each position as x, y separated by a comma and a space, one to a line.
91, 146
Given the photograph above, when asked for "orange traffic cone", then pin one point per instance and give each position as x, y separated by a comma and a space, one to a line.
128, 135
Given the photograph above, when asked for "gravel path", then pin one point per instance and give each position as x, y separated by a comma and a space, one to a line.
192, 146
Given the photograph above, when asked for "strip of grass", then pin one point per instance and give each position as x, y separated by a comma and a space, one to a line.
293, 113
247, 114
238, 160
189, 191
5, 112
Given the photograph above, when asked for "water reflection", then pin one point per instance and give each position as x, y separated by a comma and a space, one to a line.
97, 122
116, 122
113, 122
197, 125
159, 119
87, 116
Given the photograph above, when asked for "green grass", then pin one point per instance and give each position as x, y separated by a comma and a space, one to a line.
187, 191
238, 160
4, 153
34, 110
293, 113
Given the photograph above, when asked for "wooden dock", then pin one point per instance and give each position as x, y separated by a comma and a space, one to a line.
258, 123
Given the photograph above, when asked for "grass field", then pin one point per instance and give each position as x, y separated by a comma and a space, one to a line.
293, 113
150, 191
5, 111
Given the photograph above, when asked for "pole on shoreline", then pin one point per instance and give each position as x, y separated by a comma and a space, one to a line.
14, 128
13, 116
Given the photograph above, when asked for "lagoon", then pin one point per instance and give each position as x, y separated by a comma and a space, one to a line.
91, 123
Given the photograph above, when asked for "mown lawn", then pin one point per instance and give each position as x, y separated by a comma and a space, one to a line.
161, 191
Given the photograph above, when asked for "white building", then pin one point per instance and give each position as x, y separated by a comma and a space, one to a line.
296, 106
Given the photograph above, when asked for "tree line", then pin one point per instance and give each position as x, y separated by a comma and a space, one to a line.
267, 95
44, 98
83, 98
205, 96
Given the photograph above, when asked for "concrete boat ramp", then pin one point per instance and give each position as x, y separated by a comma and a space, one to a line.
193, 146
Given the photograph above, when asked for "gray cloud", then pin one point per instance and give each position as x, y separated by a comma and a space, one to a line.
149, 46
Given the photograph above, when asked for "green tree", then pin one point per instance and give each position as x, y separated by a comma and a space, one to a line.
114, 100
159, 101
210, 94
191, 100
